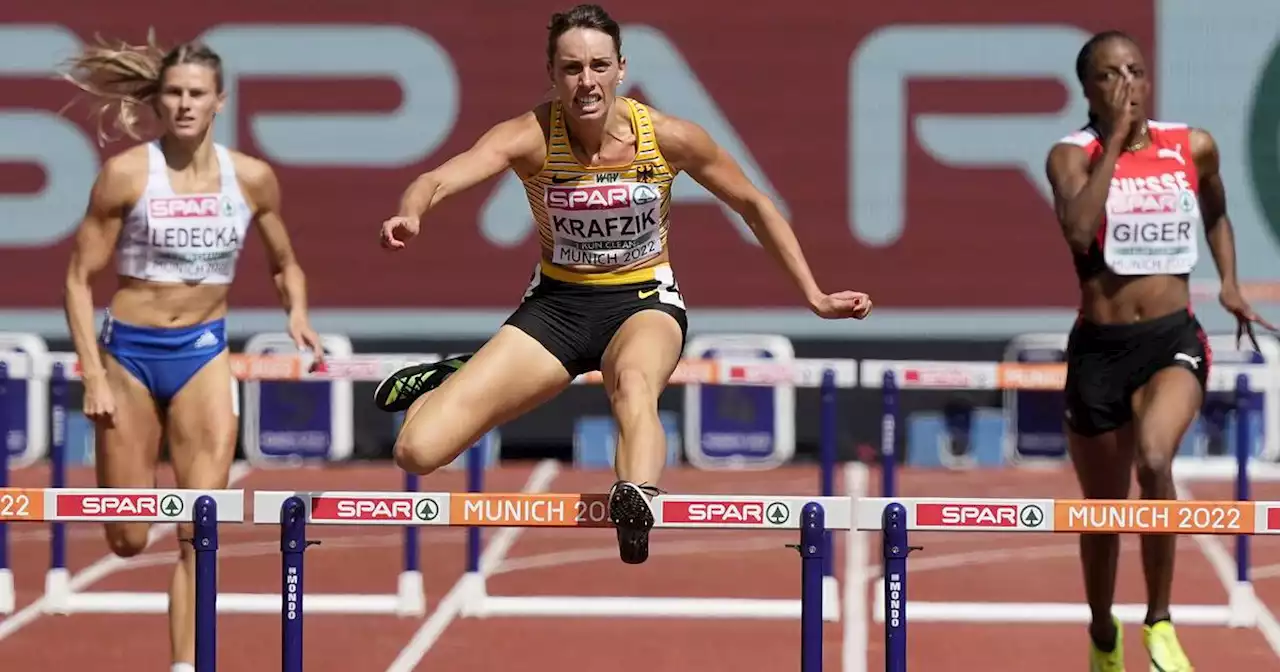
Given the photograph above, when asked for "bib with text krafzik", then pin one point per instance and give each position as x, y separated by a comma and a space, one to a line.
605, 225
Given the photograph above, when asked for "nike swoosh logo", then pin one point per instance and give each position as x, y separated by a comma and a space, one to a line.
644, 295
561, 180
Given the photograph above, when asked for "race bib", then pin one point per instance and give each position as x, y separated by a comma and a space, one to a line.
1152, 233
192, 237
604, 225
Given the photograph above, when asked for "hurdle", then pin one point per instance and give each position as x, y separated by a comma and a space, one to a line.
827, 375
952, 514
897, 517
204, 509
294, 511
58, 369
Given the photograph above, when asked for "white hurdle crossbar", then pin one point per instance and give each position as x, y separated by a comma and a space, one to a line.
60, 596
410, 599
827, 374
891, 376
542, 510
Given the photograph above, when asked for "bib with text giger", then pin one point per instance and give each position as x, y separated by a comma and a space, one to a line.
1153, 218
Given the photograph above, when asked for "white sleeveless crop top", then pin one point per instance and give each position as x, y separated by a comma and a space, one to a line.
184, 238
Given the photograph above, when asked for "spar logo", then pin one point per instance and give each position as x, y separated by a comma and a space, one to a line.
373, 509
185, 206
712, 513
139, 505
605, 197
996, 516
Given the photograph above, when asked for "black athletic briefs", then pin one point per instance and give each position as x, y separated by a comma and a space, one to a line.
575, 322
1107, 363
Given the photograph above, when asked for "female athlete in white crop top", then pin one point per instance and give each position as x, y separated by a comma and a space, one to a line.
175, 212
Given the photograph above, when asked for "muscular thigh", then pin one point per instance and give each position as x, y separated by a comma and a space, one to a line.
127, 446
201, 427
506, 378
1165, 407
648, 343
1103, 462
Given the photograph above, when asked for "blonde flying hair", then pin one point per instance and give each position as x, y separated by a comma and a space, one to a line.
125, 79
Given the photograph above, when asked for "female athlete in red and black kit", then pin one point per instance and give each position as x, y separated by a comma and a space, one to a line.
1131, 195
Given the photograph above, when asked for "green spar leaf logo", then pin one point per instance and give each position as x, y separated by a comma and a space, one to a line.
1264, 142
426, 509
171, 506
1031, 515
777, 513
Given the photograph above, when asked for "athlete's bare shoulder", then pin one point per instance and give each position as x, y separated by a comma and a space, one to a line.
1204, 150
681, 141
122, 178
520, 141
1069, 158
257, 180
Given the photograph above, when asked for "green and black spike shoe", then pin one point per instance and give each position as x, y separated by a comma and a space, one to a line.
398, 391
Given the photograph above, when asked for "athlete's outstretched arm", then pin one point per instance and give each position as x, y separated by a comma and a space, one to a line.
95, 241
510, 144
291, 283
497, 150
1218, 230
691, 149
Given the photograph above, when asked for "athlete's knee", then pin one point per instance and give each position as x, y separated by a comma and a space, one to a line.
633, 393
420, 450
417, 457
126, 539
1155, 461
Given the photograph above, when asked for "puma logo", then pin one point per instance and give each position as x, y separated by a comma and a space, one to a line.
1175, 154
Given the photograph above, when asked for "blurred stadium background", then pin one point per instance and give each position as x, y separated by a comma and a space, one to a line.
905, 140
918, 176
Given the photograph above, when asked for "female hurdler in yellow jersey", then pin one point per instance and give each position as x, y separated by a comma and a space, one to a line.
598, 171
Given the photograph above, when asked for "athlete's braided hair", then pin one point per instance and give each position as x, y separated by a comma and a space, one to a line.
1085, 57
126, 78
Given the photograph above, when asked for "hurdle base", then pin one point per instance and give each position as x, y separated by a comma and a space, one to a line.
411, 596
233, 603
1243, 602
1051, 612
8, 601
57, 590
830, 599
640, 607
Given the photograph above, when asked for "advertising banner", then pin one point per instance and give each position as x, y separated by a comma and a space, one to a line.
907, 144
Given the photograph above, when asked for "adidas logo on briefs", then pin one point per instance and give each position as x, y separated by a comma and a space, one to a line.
207, 340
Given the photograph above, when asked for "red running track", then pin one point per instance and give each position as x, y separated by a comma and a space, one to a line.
686, 563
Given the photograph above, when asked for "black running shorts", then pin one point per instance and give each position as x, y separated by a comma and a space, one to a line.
1107, 363
576, 321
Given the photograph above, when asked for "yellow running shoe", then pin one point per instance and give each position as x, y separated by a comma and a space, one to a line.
1108, 661
1166, 653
